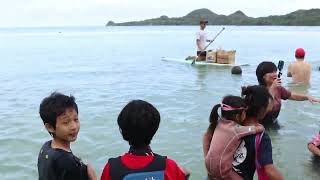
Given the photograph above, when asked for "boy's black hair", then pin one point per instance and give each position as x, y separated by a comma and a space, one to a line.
138, 122
54, 105
233, 101
264, 68
257, 99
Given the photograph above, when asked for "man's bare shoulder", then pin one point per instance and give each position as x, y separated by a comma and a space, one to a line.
300, 63
294, 65
306, 64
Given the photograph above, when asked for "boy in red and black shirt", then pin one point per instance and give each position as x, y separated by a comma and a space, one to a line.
138, 122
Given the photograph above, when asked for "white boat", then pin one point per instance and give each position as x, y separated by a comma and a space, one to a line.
203, 63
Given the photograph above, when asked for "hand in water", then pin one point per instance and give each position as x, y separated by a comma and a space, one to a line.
313, 100
185, 172
91, 173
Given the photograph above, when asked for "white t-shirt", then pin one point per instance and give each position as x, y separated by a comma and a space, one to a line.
202, 36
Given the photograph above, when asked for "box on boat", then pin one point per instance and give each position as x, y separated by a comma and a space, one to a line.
221, 56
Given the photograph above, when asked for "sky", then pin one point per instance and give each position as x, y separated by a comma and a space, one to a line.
39, 13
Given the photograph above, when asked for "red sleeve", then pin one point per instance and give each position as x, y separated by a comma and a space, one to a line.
285, 94
172, 171
105, 173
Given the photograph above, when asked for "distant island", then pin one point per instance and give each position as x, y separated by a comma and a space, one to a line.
297, 18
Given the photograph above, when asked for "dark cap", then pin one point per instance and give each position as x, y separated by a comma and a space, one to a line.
203, 22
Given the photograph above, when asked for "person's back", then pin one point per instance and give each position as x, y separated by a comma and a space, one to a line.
246, 155
226, 137
138, 123
225, 141
300, 71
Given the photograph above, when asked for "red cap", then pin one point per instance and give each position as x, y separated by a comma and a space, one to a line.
300, 52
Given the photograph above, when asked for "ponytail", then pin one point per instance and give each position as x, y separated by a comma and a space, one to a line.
256, 98
244, 91
230, 107
247, 93
214, 116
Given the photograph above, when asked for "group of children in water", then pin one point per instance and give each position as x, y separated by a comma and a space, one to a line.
235, 145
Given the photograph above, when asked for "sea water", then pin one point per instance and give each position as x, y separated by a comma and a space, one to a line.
106, 67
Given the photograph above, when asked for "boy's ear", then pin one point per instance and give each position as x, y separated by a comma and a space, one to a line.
50, 128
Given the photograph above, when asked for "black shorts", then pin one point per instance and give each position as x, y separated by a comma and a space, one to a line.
202, 53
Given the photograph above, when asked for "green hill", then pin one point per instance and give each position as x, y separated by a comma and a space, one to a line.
298, 18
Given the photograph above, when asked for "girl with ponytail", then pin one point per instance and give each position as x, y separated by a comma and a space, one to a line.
224, 135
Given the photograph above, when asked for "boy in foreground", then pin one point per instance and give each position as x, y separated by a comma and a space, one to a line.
138, 122
56, 161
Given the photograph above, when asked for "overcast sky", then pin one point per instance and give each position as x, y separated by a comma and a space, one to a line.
15, 13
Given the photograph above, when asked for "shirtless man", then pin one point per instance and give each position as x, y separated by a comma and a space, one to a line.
300, 71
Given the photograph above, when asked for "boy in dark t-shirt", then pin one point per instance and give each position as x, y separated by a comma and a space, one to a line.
244, 158
54, 163
255, 151
56, 160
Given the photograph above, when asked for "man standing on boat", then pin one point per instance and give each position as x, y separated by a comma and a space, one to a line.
201, 37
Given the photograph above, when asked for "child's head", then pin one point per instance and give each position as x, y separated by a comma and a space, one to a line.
232, 108
59, 114
138, 122
258, 100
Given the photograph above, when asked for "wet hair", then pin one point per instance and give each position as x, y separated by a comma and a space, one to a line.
299, 57
257, 99
138, 122
264, 68
234, 102
54, 105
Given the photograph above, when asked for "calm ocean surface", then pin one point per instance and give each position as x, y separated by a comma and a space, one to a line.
105, 67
